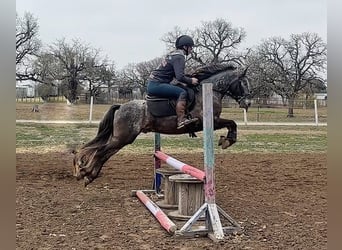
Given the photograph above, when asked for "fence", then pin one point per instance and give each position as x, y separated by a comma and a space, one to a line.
37, 99
277, 103
261, 111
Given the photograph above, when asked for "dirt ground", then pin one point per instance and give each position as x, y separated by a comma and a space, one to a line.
280, 200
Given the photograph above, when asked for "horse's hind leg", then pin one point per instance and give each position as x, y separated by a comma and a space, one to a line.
115, 145
231, 137
103, 153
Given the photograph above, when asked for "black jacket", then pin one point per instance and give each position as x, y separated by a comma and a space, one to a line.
171, 67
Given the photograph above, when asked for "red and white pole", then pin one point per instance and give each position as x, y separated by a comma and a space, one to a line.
164, 221
185, 168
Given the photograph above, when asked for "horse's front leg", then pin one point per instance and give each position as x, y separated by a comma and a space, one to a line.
230, 139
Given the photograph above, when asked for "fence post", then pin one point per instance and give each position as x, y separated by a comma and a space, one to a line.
91, 108
245, 116
316, 113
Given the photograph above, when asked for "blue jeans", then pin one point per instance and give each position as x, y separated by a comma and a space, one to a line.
166, 90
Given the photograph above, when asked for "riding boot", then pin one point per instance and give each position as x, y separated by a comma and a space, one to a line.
181, 118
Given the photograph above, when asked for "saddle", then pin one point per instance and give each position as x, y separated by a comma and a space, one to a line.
161, 107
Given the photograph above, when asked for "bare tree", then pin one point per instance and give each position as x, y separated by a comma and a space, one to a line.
170, 37
27, 46
46, 68
105, 75
76, 63
215, 42
260, 84
136, 75
290, 65
144, 70
128, 78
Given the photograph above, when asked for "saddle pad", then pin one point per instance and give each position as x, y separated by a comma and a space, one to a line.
160, 107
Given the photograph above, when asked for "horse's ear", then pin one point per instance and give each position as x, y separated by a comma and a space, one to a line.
243, 74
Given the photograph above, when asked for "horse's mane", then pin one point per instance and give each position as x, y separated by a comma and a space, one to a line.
204, 72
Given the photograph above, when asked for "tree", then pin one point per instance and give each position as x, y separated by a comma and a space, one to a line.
73, 64
289, 66
144, 70
27, 46
136, 75
261, 88
103, 75
215, 42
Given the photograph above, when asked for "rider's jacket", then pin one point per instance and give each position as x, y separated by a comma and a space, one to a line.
171, 67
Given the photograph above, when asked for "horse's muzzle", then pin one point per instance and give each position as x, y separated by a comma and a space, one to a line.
245, 104
87, 181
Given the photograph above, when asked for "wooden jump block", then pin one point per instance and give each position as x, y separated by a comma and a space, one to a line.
170, 189
190, 196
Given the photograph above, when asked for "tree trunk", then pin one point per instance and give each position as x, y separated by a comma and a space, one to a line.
290, 110
72, 91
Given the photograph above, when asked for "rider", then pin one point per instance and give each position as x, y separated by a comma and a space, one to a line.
172, 66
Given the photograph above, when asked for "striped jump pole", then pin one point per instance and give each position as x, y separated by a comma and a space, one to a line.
185, 168
164, 221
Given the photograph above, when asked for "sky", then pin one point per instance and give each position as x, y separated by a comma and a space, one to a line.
130, 31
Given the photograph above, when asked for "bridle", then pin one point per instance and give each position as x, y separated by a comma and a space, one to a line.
227, 90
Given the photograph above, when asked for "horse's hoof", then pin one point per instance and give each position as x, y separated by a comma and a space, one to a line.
225, 144
86, 181
221, 140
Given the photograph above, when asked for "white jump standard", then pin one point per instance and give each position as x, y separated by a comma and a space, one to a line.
213, 227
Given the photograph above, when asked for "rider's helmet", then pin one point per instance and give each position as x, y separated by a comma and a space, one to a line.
184, 40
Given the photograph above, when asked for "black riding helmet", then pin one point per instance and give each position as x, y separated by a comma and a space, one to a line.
184, 40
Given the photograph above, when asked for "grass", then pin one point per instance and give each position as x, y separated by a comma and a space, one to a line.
275, 115
250, 139
61, 111
45, 137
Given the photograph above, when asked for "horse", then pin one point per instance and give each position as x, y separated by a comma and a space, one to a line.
122, 124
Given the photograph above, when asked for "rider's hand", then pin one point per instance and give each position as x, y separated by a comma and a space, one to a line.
194, 81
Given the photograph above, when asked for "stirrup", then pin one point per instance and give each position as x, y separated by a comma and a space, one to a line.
186, 122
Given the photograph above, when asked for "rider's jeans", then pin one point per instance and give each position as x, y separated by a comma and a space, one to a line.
165, 90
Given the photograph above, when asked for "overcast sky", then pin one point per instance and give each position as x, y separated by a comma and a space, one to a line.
129, 31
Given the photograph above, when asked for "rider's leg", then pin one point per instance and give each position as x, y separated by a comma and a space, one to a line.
180, 110
164, 90
178, 93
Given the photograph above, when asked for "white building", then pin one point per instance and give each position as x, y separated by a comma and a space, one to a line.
321, 96
25, 89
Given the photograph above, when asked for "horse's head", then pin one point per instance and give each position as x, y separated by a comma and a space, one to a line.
85, 166
227, 80
233, 83
239, 90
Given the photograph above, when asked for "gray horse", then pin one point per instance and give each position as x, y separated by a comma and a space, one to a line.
123, 123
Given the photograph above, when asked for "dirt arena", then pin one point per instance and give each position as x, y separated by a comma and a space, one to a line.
280, 200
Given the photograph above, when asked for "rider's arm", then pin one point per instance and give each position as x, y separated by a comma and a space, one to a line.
178, 67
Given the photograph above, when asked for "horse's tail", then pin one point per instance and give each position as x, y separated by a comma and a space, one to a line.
105, 129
